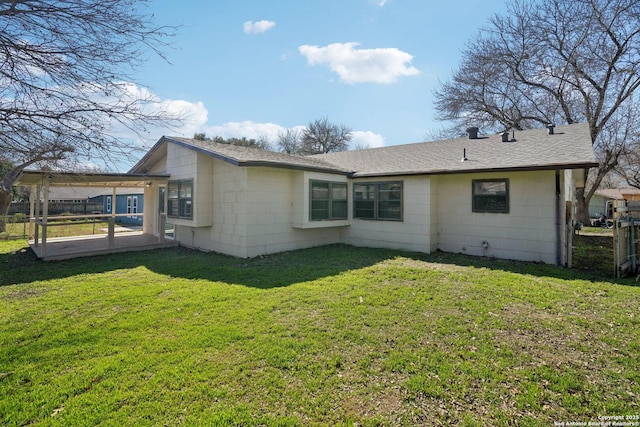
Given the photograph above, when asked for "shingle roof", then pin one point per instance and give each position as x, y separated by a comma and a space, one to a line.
569, 147
249, 156
617, 193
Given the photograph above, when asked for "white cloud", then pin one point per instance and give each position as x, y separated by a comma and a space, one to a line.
251, 27
366, 139
381, 65
192, 115
270, 131
382, 2
246, 129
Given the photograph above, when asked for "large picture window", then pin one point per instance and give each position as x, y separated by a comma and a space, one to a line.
328, 201
490, 195
180, 199
378, 200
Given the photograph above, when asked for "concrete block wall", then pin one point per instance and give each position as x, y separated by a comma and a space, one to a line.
412, 233
527, 232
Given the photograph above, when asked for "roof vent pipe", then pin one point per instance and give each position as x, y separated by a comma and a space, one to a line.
505, 136
473, 132
550, 127
464, 155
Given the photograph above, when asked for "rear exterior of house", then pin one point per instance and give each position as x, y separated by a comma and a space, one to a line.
244, 203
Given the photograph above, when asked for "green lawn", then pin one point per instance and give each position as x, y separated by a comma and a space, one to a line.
58, 229
327, 336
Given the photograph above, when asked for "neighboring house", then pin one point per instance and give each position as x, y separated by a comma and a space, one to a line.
598, 203
501, 195
129, 201
65, 200
89, 200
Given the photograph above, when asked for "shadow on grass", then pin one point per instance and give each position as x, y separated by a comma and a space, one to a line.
270, 271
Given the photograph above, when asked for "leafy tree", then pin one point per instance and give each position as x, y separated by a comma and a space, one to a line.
552, 61
261, 143
65, 81
322, 136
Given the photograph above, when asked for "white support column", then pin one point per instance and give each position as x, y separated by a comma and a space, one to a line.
45, 213
112, 220
32, 212
36, 216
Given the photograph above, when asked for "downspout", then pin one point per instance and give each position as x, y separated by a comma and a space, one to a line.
558, 221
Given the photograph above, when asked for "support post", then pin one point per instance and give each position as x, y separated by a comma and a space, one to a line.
163, 222
32, 211
45, 214
112, 220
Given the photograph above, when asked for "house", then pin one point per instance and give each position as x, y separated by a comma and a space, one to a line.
79, 200
129, 201
600, 202
506, 196
64, 200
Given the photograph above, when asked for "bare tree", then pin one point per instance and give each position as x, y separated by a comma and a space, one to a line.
552, 61
628, 167
322, 136
65, 81
289, 141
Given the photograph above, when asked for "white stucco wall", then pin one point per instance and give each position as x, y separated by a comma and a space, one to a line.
527, 232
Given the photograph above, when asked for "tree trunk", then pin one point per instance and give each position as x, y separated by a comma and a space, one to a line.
582, 208
5, 203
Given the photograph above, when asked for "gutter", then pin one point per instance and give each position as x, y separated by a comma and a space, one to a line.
558, 220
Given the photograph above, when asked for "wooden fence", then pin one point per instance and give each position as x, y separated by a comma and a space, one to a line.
61, 208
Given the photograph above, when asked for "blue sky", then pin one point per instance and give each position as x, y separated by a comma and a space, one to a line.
255, 68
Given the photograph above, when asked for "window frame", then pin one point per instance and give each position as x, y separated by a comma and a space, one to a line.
480, 207
330, 200
132, 204
374, 200
183, 204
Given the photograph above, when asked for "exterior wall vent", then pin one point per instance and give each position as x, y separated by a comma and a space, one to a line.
473, 132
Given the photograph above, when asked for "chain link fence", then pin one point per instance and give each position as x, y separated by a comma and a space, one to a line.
14, 226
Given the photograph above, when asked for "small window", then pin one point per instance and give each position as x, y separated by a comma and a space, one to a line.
490, 195
378, 200
180, 199
328, 201
132, 205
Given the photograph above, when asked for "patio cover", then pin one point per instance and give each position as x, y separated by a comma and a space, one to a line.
88, 179
46, 179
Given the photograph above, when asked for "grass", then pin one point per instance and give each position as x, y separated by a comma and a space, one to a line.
60, 229
593, 250
326, 336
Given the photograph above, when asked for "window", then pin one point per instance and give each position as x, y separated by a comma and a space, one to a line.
132, 205
378, 200
490, 195
180, 199
328, 201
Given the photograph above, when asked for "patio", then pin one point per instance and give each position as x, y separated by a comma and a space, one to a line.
153, 236
97, 244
